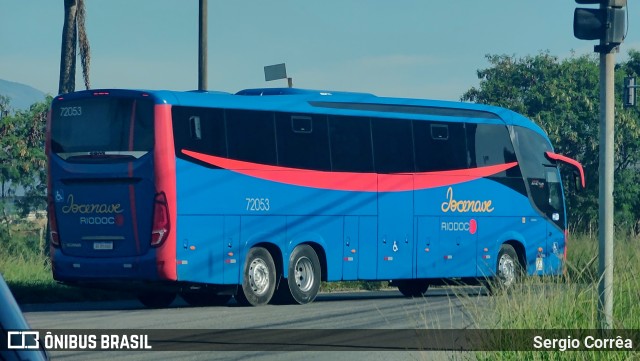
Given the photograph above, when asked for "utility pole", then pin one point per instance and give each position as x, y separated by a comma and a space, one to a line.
202, 47
605, 195
608, 25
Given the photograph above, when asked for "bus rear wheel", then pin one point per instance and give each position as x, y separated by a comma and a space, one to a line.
156, 299
412, 288
259, 281
304, 274
205, 299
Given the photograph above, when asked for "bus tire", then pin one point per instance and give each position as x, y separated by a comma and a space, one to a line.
259, 281
508, 268
304, 274
156, 299
205, 299
412, 288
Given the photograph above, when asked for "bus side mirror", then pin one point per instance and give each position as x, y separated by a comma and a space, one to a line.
577, 167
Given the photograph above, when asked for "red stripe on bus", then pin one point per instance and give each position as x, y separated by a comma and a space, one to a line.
349, 181
165, 173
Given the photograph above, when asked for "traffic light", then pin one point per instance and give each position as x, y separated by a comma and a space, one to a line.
606, 23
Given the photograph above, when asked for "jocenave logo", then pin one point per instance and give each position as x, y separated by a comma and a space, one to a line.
475, 206
95, 213
90, 208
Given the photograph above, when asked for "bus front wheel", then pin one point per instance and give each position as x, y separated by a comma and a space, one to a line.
259, 281
508, 270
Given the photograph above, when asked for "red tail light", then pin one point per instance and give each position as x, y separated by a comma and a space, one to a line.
53, 225
161, 221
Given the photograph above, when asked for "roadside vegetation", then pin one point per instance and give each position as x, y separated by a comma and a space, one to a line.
568, 302
26, 268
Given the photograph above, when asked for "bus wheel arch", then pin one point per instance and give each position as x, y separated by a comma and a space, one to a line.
520, 252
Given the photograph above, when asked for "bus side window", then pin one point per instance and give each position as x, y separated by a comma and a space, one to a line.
490, 144
251, 136
350, 139
303, 141
392, 146
199, 129
439, 146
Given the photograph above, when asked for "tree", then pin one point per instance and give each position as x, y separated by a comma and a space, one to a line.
22, 164
74, 33
563, 98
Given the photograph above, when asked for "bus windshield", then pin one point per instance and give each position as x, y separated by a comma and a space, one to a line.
102, 126
540, 174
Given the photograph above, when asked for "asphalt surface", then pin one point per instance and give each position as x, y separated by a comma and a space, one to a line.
439, 308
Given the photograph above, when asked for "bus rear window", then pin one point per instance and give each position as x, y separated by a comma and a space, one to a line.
102, 125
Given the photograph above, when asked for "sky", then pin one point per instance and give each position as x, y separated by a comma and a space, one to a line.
400, 48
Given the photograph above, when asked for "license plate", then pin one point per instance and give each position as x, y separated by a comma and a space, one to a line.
103, 245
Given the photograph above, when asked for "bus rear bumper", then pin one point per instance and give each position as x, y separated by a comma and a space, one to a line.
77, 269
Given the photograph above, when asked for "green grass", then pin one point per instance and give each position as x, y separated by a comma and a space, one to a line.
30, 280
567, 302
353, 285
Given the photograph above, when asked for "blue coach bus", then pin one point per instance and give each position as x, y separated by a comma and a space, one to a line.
265, 193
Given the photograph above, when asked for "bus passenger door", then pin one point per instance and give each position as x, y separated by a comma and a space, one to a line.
395, 228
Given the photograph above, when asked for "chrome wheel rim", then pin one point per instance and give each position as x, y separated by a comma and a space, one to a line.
507, 269
258, 276
304, 275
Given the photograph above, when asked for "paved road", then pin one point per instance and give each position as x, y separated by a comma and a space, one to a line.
440, 308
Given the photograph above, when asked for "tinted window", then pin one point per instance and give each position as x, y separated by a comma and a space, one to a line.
531, 152
303, 141
251, 136
490, 144
440, 146
102, 124
200, 130
541, 177
392, 145
350, 144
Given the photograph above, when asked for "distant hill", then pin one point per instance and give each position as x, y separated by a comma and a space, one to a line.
21, 96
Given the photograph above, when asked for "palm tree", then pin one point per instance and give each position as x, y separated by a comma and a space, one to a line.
73, 32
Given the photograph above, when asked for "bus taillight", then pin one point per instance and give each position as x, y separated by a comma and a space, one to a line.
53, 225
161, 221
